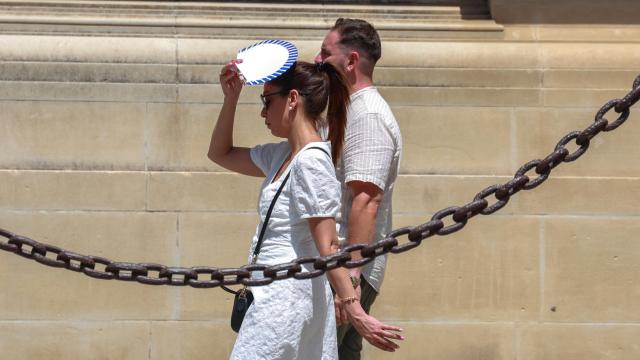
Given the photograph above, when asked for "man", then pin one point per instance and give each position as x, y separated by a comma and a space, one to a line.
369, 164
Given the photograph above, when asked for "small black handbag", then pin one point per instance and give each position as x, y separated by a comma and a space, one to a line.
241, 302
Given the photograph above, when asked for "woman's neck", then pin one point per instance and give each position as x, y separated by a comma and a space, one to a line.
302, 132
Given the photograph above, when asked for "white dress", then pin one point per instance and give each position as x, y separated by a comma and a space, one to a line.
291, 319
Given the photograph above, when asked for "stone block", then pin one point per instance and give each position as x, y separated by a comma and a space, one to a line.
589, 55
73, 136
580, 196
591, 270
74, 340
589, 79
445, 77
218, 240
61, 91
571, 98
565, 12
199, 73
487, 272
454, 140
585, 32
34, 291
579, 342
179, 135
430, 193
202, 191
212, 94
451, 341
609, 154
464, 54
445, 96
72, 190
191, 340
88, 72
88, 49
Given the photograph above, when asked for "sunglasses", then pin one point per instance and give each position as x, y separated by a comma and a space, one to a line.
264, 97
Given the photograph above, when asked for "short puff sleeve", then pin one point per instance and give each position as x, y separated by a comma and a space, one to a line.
264, 155
314, 188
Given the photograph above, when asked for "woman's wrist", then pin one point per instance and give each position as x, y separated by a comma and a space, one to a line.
348, 300
354, 309
230, 100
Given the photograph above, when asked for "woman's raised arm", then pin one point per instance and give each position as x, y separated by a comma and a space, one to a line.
221, 149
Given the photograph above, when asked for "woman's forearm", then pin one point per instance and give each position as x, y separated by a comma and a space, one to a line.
222, 136
323, 231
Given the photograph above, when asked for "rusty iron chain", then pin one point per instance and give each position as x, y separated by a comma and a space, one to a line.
210, 277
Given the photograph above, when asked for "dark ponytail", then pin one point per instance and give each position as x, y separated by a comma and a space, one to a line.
337, 110
321, 85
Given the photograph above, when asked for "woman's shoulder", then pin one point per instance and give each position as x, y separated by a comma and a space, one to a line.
316, 151
272, 149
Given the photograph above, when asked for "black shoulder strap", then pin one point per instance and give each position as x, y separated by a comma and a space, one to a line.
268, 215
266, 218
273, 202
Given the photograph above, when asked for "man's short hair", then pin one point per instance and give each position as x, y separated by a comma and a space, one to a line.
359, 35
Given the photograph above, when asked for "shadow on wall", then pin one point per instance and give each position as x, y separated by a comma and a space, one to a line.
566, 12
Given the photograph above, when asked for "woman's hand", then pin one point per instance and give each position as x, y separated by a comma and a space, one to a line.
230, 80
341, 314
377, 333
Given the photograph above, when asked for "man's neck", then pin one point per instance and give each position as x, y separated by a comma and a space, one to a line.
360, 82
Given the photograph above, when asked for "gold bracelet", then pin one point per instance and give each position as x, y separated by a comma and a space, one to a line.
348, 300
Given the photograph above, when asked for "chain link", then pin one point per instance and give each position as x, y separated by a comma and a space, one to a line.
311, 267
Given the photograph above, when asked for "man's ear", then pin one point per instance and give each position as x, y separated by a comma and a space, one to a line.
353, 60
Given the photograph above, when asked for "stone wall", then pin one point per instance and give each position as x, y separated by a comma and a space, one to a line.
106, 110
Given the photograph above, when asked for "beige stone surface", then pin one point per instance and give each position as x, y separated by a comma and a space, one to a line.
486, 341
191, 340
56, 91
589, 79
118, 236
105, 145
430, 193
72, 190
179, 134
571, 32
567, 98
454, 140
213, 239
489, 78
87, 49
74, 340
610, 154
489, 271
591, 270
557, 196
579, 342
202, 191
580, 196
564, 12
88, 72
467, 96
80, 135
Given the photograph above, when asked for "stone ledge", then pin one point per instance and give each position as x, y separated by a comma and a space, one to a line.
238, 20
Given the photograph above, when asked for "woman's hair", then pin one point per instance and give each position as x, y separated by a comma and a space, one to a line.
320, 84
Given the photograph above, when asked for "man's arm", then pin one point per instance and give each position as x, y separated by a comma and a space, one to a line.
362, 216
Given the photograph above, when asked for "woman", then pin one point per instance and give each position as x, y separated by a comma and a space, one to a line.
295, 319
